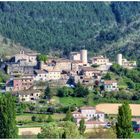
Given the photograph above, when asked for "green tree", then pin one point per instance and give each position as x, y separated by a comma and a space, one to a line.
82, 126
51, 131
33, 118
70, 130
124, 122
42, 57
21, 107
58, 130
69, 116
8, 127
5, 40
48, 93
107, 76
64, 92
80, 90
50, 119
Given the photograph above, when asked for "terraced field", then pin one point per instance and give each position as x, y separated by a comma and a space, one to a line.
110, 108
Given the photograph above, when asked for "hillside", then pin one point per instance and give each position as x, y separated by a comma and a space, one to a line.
101, 27
9, 48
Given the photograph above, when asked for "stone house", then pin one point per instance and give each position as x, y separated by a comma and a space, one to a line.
110, 85
92, 117
28, 95
18, 84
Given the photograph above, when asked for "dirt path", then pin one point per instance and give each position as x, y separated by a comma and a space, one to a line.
110, 108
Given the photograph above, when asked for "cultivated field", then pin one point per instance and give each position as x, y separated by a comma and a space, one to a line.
29, 131
110, 108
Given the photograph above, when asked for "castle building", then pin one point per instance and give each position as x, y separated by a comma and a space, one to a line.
100, 60
90, 72
84, 57
76, 56
56, 65
26, 58
125, 63
79, 56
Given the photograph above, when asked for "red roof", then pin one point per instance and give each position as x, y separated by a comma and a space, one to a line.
136, 119
95, 122
76, 112
87, 108
108, 82
80, 117
77, 61
99, 112
90, 69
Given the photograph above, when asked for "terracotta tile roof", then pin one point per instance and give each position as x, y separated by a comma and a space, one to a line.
136, 119
91, 69
53, 70
76, 61
99, 112
87, 108
40, 71
95, 122
22, 78
76, 112
26, 92
80, 117
108, 82
87, 79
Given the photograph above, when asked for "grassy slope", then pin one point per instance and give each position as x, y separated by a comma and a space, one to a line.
28, 116
9, 48
136, 136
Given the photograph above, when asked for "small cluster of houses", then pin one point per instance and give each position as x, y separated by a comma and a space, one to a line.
25, 70
93, 118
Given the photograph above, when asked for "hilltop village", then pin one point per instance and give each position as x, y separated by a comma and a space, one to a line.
29, 71
26, 71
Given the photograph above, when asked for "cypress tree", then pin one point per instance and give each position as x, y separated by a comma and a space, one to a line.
82, 126
48, 93
124, 123
69, 116
8, 127
50, 119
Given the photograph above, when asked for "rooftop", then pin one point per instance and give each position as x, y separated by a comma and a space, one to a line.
100, 57
99, 112
40, 71
87, 108
90, 69
21, 78
95, 122
26, 92
108, 82
76, 112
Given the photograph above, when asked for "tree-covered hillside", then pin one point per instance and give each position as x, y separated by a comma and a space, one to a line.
101, 27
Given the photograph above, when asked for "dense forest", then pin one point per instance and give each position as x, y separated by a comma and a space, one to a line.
101, 27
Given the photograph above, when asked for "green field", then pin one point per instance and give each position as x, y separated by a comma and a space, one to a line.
77, 101
69, 101
27, 116
136, 136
